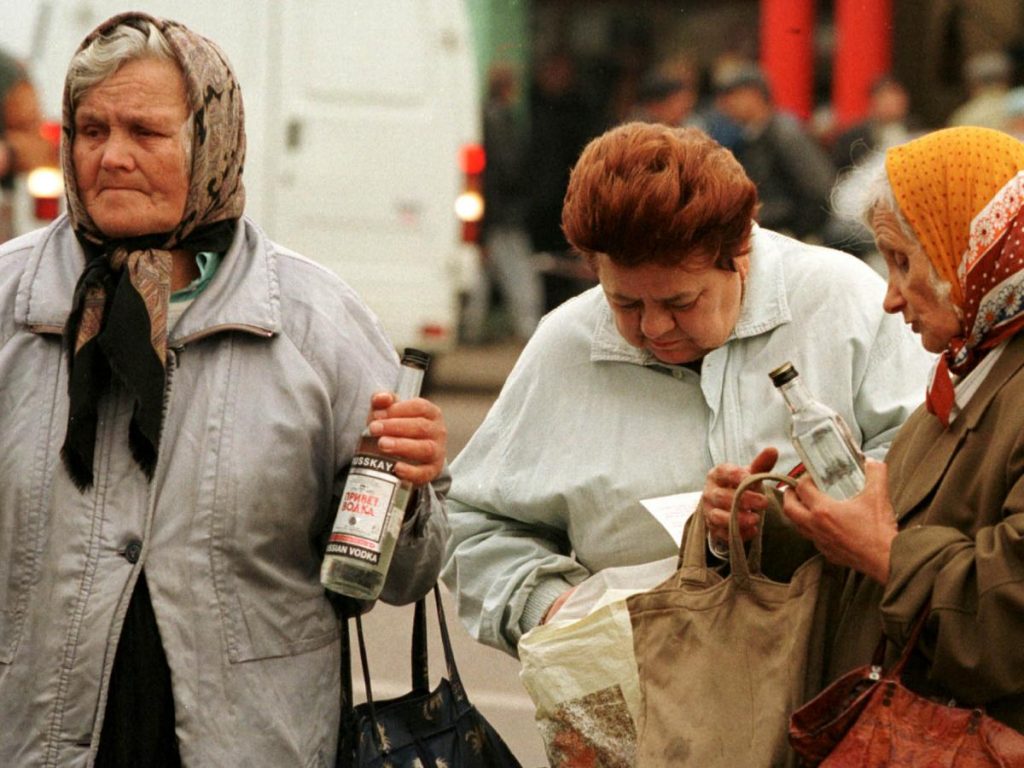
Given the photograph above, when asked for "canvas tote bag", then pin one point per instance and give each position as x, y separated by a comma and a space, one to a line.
723, 660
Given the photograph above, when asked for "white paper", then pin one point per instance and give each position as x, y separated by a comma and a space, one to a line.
673, 511
613, 584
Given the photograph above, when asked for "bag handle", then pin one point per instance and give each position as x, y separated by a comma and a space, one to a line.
419, 657
742, 565
449, 655
896, 671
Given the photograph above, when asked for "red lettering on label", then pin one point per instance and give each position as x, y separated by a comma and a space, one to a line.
360, 503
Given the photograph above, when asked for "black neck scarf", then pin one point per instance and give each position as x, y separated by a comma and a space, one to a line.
117, 331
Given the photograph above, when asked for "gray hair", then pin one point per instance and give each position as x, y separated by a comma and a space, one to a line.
865, 189
108, 53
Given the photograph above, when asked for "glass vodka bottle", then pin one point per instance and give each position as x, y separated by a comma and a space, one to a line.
373, 506
821, 437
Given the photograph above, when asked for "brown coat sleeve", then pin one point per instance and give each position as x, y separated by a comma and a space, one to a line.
959, 494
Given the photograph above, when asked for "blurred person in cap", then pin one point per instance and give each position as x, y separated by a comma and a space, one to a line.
793, 174
655, 382
664, 98
888, 122
988, 77
182, 399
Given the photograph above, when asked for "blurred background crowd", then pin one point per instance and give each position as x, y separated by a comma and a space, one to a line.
800, 90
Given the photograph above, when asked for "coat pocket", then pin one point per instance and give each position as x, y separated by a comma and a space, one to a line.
266, 570
264, 488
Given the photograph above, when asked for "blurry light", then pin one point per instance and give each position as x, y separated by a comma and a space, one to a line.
434, 331
469, 206
45, 182
472, 159
51, 132
47, 208
46, 185
471, 232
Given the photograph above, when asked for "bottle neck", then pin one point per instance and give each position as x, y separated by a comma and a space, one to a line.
796, 394
410, 381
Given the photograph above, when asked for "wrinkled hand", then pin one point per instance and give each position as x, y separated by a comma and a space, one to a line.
720, 489
856, 533
414, 432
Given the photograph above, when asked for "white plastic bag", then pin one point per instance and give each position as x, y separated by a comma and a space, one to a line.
581, 673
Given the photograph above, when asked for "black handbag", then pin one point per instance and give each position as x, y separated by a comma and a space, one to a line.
423, 728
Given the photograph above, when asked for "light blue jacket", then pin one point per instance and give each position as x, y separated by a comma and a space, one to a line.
547, 491
270, 372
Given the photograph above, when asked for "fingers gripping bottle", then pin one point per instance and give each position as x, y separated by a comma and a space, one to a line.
373, 506
821, 437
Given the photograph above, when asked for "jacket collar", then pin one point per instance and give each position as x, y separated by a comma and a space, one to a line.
936, 445
765, 307
243, 295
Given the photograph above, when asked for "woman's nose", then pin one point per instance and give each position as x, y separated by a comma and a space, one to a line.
893, 301
117, 152
656, 322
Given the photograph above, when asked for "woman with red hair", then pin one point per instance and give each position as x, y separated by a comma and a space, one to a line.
641, 386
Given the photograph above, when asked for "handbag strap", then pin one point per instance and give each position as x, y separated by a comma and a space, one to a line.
418, 660
915, 634
366, 672
419, 656
449, 655
346, 668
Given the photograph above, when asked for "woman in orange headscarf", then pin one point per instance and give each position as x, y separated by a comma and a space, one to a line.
941, 522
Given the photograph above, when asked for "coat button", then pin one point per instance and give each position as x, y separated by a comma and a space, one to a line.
132, 551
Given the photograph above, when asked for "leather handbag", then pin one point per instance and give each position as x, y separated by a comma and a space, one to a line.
869, 718
724, 658
425, 728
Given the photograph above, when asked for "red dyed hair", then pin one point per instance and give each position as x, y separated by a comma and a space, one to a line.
645, 193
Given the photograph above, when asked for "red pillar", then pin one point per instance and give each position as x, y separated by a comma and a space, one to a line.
787, 53
863, 52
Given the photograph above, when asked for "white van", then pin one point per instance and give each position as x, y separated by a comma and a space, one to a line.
358, 113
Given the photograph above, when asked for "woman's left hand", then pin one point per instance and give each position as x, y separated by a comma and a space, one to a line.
412, 431
856, 533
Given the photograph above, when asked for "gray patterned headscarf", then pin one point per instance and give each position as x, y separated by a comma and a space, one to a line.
118, 323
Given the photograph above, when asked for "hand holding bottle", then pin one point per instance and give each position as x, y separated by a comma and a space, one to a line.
719, 490
856, 533
412, 431
402, 447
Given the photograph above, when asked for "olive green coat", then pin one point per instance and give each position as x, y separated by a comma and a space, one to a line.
958, 494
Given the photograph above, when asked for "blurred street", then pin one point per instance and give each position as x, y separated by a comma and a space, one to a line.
464, 384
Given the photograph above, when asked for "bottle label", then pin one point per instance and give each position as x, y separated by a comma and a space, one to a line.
365, 502
833, 461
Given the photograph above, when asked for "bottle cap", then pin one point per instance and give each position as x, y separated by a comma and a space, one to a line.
782, 374
416, 358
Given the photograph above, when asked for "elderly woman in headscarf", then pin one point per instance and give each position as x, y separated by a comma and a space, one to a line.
940, 525
180, 399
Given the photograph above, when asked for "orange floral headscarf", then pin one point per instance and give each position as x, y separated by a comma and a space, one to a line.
962, 192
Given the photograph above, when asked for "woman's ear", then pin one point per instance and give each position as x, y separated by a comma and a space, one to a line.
742, 265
